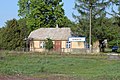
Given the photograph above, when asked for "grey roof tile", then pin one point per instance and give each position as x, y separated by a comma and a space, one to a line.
52, 33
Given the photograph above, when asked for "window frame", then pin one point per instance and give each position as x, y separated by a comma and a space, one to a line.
42, 44
68, 44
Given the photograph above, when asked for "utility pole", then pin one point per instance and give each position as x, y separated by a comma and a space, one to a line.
26, 38
90, 27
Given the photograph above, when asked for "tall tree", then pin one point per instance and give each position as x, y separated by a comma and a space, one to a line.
116, 13
10, 35
98, 13
13, 34
102, 27
41, 13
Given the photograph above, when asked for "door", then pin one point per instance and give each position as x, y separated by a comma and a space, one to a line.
57, 46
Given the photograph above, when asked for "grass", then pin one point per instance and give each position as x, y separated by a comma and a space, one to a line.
88, 67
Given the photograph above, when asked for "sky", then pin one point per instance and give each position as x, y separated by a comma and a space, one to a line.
9, 10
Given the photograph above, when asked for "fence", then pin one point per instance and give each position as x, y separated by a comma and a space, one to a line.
62, 50
79, 51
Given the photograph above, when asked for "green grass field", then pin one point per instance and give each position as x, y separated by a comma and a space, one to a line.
87, 67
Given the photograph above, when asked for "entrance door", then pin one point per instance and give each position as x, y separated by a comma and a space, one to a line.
57, 45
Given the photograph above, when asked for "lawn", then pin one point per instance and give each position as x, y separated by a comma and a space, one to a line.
87, 67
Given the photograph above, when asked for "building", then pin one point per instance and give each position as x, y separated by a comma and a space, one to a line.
61, 37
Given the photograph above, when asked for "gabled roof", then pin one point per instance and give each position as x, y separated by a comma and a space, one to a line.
52, 33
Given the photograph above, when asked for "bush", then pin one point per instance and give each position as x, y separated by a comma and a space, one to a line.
49, 44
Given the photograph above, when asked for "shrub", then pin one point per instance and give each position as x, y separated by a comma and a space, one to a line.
49, 44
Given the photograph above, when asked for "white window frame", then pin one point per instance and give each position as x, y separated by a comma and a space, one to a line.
42, 44
68, 44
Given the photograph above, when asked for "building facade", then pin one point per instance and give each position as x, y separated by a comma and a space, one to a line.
61, 37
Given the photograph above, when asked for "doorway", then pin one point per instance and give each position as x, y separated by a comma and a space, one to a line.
57, 46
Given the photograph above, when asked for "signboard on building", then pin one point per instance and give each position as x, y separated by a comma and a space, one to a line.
82, 39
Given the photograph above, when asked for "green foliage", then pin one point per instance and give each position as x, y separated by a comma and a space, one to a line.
102, 27
65, 22
114, 43
1, 36
49, 44
13, 34
41, 13
83, 8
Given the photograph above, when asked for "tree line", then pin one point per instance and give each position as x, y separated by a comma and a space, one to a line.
105, 19
36, 14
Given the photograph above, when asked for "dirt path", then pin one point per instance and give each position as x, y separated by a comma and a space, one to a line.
113, 56
3, 77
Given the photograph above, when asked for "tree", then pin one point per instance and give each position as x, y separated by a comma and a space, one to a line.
10, 35
102, 26
14, 34
115, 11
83, 8
23, 28
1, 37
24, 32
65, 22
49, 44
41, 13
98, 17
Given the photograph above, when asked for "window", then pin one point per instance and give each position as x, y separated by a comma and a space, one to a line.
68, 44
42, 44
